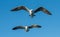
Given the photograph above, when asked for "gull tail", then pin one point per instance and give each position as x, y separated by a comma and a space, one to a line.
32, 15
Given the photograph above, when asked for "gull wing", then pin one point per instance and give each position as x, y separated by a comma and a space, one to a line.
18, 27
30, 27
20, 8
42, 9
36, 26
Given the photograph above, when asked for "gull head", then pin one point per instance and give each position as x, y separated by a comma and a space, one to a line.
31, 10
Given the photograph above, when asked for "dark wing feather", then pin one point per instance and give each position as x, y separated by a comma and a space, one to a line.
43, 9
36, 26
30, 27
18, 27
20, 8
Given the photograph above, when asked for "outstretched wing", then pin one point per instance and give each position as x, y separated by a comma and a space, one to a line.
30, 27
42, 9
18, 27
20, 8
36, 26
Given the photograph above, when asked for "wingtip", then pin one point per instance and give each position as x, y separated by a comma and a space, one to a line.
40, 26
13, 29
50, 14
13, 9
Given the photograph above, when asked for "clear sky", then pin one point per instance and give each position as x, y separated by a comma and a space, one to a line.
50, 24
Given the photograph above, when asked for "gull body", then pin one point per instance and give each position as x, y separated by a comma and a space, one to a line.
26, 27
30, 11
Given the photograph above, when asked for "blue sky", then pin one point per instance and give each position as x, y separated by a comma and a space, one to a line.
50, 24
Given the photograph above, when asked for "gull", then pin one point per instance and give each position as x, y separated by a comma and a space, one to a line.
26, 28
31, 11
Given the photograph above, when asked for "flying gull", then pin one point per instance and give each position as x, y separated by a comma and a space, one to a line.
31, 11
26, 28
